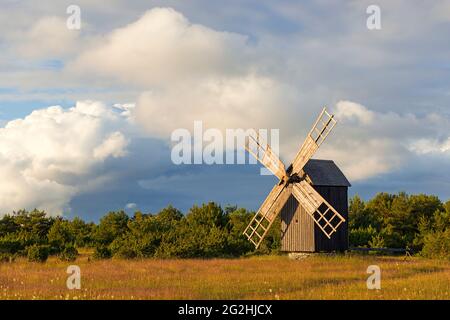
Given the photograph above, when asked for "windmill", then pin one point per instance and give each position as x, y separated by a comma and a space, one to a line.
293, 181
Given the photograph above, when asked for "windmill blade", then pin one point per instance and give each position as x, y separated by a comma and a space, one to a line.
323, 214
263, 219
264, 154
320, 130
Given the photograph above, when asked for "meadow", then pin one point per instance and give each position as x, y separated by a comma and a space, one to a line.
262, 277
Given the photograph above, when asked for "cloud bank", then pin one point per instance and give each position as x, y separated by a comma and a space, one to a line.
53, 153
369, 143
163, 47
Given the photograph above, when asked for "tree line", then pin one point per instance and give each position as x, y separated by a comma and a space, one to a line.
418, 222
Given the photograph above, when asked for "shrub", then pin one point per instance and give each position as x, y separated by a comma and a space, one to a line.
377, 242
102, 252
125, 253
60, 234
437, 245
82, 232
37, 253
362, 236
237, 243
69, 253
7, 257
124, 248
9, 244
111, 226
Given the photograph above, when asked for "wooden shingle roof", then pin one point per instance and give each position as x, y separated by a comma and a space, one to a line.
325, 173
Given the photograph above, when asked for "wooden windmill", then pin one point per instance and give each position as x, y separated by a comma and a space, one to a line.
297, 195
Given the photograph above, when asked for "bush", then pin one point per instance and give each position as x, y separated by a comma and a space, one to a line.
377, 242
69, 253
123, 248
37, 253
125, 253
7, 257
102, 252
206, 231
437, 245
60, 234
362, 236
236, 241
9, 244
111, 226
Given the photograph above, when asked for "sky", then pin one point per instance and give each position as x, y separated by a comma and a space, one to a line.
86, 115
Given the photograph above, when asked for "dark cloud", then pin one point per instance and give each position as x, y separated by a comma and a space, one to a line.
148, 178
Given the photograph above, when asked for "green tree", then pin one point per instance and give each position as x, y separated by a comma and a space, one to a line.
361, 236
238, 219
145, 233
141, 239
201, 233
82, 232
362, 217
38, 253
60, 235
32, 226
437, 245
69, 253
430, 230
111, 226
8, 225
380, 205
447, 206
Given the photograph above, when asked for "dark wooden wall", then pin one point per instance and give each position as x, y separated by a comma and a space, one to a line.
299, 233
338, 198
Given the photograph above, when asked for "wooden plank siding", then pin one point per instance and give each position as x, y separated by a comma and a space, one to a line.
337, 197
299, 233
297, 228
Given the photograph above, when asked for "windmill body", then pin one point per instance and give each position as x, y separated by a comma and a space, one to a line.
311, 196
299, 232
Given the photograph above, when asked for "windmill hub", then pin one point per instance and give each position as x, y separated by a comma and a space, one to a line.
295, 178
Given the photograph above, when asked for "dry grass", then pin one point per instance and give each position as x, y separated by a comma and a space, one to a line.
269, 277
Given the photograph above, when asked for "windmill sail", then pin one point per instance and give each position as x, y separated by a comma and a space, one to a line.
323, 214
264, 154
320, 130
263, 219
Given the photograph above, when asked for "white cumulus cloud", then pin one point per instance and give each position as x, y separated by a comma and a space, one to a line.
347, 110
367, 143
48, 38
424, 146
188, 72
51, 154
241, 102
162, 47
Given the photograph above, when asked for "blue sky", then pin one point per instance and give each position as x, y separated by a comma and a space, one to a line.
87, 114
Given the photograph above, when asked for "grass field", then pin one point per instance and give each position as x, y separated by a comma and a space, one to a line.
268, 277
